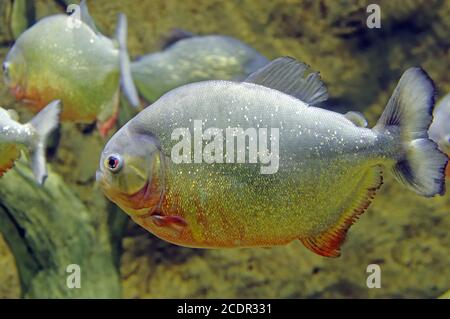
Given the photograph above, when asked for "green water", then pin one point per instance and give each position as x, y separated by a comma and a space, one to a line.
406, 235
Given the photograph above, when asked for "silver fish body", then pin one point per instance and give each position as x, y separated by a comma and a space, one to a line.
325, 173
320, 152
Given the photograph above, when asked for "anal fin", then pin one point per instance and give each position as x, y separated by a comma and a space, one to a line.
328, 243
175, 222
10, 153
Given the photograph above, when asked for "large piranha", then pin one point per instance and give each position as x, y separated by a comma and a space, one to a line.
196, 168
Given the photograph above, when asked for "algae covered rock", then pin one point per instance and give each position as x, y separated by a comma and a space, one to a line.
48, 229
9, 278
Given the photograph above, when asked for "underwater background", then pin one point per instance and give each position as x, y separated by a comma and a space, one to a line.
407, 235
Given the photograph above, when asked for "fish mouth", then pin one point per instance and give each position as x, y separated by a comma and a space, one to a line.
140, 203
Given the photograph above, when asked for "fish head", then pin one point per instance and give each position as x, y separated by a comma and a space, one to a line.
131, 172
14, 72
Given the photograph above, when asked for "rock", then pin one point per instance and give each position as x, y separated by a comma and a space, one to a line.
48, 228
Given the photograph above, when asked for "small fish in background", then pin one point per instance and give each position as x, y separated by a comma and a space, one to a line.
67, 58
440, 128
21, 14
32, 135
328, 168
189, 58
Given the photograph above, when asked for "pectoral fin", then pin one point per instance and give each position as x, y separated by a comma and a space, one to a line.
176, 222
107, 119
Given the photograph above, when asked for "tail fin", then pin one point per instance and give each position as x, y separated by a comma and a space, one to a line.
43, 123
126, 79
410, 107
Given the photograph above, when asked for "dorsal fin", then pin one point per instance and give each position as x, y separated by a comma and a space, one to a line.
174, 36
356, 118
287, 75
86, 17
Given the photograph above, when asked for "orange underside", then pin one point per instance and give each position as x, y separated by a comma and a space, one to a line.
6, 167
37, 100
148, 199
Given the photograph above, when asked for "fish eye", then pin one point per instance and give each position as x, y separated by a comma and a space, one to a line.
114, 163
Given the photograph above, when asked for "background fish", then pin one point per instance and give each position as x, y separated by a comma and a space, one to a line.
65, 57
440, 128
329, 168
32, 135
189, 58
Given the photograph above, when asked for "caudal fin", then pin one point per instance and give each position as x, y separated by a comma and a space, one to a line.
421, 165
43, 123
126, 79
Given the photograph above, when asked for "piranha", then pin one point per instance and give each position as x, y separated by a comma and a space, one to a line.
32, 135
187, 58
65, 57
328, 170
440, 127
